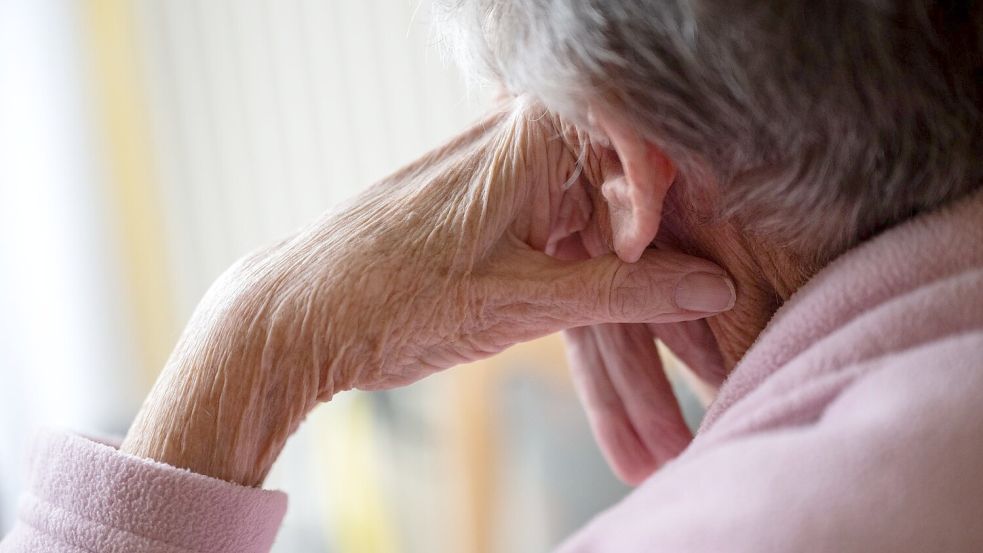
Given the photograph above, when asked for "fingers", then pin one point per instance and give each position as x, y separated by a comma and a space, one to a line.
628, 399
660, 287
620, 444
695, 346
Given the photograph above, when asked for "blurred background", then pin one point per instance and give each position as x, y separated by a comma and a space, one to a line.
147, 144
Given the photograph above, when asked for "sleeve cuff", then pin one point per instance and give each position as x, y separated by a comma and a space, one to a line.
88, 496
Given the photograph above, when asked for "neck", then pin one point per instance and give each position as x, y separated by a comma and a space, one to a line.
764, 274
765, 277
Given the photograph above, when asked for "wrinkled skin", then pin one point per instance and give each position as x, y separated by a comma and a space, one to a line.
439, 264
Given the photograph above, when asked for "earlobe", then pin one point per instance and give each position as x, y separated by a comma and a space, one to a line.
635, 197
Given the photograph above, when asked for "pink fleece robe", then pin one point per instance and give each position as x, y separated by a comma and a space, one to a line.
854, 424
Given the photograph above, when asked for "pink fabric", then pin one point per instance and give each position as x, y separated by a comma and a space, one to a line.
855, 424
88, 497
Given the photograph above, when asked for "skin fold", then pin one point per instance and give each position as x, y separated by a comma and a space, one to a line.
495, 238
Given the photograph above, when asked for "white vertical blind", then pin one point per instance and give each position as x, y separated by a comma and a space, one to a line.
268, 112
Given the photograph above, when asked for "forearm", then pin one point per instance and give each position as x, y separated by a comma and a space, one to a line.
237, 385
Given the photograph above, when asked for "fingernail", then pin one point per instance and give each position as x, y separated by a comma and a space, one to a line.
705, 292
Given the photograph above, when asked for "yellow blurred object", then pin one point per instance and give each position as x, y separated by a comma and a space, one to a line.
474, 434
363, 523
120, 103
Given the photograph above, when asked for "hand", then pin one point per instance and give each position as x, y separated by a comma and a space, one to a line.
616, 368
439, 264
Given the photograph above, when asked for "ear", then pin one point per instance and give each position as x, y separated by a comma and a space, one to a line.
635, 198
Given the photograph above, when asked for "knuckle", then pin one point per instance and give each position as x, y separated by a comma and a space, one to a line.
618, 293
629, 286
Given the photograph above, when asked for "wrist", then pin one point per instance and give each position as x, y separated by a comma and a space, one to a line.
204, 421
228, 398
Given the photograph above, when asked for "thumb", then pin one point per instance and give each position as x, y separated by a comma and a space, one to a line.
660, 287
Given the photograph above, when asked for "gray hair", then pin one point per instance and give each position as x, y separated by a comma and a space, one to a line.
822, 121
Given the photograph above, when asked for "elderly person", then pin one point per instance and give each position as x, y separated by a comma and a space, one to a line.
823, 155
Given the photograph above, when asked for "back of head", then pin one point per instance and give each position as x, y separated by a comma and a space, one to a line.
822, 122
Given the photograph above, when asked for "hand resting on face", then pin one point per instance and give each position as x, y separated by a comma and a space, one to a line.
439, 264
